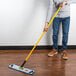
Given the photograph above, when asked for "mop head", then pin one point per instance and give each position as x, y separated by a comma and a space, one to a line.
24, 70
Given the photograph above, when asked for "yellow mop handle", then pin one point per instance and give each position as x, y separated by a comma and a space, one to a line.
42, 34
40, 37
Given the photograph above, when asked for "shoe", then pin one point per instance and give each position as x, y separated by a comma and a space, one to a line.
53, 52
64, 55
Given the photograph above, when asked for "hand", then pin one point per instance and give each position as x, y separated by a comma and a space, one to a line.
63, 4
46, 28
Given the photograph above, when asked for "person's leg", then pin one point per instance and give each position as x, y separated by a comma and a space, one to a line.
56, 24
65, 29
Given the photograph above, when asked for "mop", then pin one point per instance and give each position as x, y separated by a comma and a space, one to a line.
22, 68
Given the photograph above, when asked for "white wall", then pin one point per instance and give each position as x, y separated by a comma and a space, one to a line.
22, 22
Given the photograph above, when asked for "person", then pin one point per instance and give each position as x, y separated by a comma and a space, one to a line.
63, 17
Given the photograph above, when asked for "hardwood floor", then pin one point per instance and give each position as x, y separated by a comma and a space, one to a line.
39, 61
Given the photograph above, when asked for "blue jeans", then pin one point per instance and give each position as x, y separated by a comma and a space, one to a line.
65, 30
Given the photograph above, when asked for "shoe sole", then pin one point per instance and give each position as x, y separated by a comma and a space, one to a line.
53, 54
65, 58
